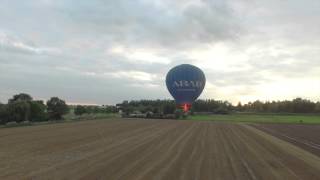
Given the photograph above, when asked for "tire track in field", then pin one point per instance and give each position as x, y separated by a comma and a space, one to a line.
149, 154
228, 160
59, 140
206, 166
160, 168
262, 162
115, 165
236, 150
137, 154
88, 162
157, 150
153, 157
220, 170
58, 158
191, 167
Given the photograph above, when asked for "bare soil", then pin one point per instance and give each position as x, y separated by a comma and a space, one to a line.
151, 149
305, 136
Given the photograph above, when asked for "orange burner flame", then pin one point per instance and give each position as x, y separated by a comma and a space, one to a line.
186, 107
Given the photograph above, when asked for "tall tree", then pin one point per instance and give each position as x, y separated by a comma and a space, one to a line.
38, 111
19, 108
20, 97
56, 108
3, 113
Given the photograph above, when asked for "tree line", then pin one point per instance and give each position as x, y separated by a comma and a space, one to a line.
297, 105
170, 107
83, 109
22, 107
144, 106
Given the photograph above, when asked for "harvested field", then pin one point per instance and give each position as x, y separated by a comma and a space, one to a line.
150, 149
304, 136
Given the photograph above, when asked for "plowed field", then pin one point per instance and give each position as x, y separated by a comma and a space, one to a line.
305, 136
150, 149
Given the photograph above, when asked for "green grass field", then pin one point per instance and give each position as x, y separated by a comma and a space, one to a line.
260, 118
236, 117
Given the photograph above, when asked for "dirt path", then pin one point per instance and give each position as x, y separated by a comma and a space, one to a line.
150, 149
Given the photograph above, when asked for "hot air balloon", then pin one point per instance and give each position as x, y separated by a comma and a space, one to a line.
185, 83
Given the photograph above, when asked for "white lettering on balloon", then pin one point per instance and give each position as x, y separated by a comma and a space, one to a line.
187, 84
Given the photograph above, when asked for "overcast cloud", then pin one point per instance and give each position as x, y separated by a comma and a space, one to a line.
105, 51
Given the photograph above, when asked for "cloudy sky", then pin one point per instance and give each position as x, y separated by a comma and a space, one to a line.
106, 51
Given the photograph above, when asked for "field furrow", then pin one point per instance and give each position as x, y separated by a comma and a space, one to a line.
151, 149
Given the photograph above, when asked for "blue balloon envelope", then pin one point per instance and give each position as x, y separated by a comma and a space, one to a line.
185, 83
